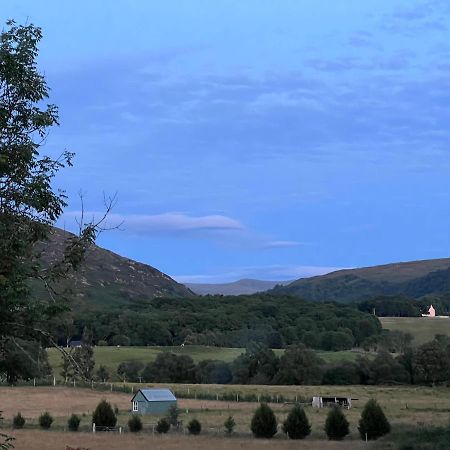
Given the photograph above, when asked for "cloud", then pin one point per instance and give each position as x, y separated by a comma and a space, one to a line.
282, 244
169, 223
270, 272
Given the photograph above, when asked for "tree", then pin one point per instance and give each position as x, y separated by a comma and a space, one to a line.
229, 424
194, 427
432, 362
83, 357
172, 415
18, 421
130, 370
264, 422
134, 423
73, 422
45, 420
104, 415
163, 426
102, 374
296, 425
29, 204
373, 422
299, 365
336, 425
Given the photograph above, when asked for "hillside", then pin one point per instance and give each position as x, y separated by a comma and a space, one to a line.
109, 279
415, 279
241, 287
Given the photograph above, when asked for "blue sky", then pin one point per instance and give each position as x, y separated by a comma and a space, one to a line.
256, 138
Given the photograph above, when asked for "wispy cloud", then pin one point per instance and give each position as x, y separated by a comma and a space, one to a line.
282, 244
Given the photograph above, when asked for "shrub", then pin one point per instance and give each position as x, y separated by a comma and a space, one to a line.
102, 343
135, 423
373, 422
264, 422
18, 421
103, 415
336, 425
172, 415
45, 420
229, 424
296, 425
74, 422
163, 426
194, 427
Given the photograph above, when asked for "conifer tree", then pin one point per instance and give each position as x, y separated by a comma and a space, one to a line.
373, 422
336, 425
296, 425
264, 422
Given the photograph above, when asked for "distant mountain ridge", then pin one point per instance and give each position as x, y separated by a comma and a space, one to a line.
240, 287
414, 279
109, 279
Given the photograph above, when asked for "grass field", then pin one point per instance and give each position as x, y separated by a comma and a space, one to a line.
405, 406
111, 357
422, 328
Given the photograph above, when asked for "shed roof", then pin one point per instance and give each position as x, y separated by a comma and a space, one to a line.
158, 395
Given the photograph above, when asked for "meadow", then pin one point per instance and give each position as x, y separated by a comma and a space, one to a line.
405, 406
422, 328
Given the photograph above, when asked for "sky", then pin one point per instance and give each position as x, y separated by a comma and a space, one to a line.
253, 139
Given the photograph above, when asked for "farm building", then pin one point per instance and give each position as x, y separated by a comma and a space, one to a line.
153, 401
323, 402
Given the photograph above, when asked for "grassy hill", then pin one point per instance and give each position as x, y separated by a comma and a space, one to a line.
244, 286
111, 357
415, 279
422, 328
109, 279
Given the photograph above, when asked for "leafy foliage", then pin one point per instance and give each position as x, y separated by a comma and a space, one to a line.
18, 421
73, 422
373, 422
336, 425
172, 415
45, 420
104, 415
135, 423
163, 426
194, 427
297, 425
264, 422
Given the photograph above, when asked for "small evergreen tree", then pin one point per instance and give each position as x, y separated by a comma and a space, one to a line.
45, 420
73, 423
296, 425
163, 426
194, 427
135, 423
229, 424
18, 421
373, 422
172, 415
336, 425
104, 415
264, 422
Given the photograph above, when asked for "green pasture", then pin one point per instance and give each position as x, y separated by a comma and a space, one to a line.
422, 328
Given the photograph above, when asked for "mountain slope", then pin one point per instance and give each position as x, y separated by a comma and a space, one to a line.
245, 286
109, 279
415, 279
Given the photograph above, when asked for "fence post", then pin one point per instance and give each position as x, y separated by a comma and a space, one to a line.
54, 380
259, 396
34, 382
93, 427
237, 397
111, 387
120, 430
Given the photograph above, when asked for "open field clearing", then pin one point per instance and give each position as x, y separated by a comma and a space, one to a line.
29, 439
111, 357
404, 406
422, 328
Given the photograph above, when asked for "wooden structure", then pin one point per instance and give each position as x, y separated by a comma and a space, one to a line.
153, 401
324, 402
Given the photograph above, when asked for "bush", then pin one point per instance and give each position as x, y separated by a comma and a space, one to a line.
229, 424
264, 422
135, 423
18, 421
296, 425
103, 415
172, 415
45, 420
102, 343
74, 422
163, 426
336, 425
194, 427
373, 422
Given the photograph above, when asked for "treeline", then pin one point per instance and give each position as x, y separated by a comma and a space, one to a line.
298, 365
275, 322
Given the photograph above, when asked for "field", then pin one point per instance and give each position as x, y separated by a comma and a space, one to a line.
111, 357
404, 406
422, 328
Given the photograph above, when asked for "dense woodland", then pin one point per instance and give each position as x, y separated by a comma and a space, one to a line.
226, 322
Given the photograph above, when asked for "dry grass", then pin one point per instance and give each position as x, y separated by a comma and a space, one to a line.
47, 440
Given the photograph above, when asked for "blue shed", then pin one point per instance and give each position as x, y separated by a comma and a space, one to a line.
153, 401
